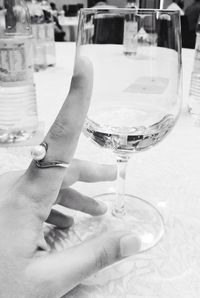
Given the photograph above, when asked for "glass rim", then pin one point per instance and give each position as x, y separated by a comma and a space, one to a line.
128, 10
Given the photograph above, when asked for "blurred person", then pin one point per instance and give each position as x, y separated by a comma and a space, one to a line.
59, 33
65, 10
192, 13
54, 10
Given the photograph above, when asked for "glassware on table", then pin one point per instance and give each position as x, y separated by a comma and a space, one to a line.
43, 32
49, 33
135, 103
38, 30
194, 92
138, 33
18, 112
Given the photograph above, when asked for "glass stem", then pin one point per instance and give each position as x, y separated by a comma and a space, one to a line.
119, 208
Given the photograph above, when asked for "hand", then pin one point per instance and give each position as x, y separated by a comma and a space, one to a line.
27, 267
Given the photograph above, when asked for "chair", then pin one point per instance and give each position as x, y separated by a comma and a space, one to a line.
107, 31
166, 36
187, 39
72, 10
79, 6
150, 3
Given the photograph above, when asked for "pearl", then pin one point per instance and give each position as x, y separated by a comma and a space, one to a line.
38, 152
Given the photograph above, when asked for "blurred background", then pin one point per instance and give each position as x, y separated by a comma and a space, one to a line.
118, 3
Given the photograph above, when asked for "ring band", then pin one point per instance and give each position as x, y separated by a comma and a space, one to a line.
52, 164
38, 154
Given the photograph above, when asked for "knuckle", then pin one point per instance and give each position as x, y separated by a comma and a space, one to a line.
108, 253
59, 129
102, 259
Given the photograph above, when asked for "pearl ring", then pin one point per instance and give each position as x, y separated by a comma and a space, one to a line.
38, 154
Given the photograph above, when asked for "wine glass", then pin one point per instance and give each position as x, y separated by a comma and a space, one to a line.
135, 101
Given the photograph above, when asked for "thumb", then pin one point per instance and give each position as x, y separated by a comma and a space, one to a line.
64, 270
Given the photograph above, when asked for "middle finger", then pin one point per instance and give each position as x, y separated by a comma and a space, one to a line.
72, 199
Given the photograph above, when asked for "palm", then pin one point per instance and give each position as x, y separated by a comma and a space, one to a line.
22, 221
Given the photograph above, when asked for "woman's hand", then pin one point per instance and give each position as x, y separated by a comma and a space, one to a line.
27, 267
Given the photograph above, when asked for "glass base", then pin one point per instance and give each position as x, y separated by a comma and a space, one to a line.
141, 218
14, 136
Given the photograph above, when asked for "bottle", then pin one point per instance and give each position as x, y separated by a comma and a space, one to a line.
49, 33
18, 111
130, 30
194, 91
130, 42
38, 29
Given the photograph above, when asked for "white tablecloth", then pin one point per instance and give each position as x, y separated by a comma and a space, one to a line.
168, 176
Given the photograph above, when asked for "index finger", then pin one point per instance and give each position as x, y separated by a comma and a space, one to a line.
63, 135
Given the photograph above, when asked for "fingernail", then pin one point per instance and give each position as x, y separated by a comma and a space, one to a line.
102, 208
129, 245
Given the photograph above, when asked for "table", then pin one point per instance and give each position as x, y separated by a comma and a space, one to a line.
167, 176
